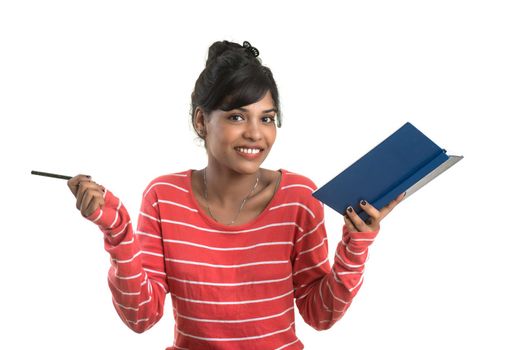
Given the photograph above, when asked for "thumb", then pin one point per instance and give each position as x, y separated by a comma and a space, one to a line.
73, 182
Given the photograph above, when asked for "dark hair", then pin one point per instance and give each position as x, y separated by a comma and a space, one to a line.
233, 77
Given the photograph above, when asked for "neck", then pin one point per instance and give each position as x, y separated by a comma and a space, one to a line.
227, 187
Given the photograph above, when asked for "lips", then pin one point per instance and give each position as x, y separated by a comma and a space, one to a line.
249, 152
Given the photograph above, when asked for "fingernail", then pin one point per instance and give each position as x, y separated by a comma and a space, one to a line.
349, 209
363, 202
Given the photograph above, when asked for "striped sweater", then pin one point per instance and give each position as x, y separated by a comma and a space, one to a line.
232, 287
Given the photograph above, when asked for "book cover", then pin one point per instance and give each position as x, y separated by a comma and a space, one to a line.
404, 162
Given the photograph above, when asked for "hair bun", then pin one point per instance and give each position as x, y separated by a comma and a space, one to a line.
218, 48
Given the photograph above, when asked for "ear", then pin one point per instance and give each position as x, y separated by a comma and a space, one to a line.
199, 122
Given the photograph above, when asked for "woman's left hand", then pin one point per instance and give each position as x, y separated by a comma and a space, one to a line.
355, 224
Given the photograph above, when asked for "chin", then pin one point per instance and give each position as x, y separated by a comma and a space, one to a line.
248, 168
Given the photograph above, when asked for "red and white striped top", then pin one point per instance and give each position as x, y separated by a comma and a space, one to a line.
232, 287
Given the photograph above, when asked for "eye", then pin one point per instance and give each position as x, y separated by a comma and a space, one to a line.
268, 119
236, 117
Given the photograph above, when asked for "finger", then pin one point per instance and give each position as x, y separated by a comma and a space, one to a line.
373, 221
388, 208
373, 212
349, 224
84, 186
101, 189
84, 204
91, 202
73, 182
357, 222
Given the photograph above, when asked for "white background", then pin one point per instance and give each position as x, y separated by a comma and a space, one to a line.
103, 88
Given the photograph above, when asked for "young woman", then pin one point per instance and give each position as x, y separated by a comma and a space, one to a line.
233, 243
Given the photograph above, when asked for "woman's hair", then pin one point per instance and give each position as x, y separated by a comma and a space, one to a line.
233, 77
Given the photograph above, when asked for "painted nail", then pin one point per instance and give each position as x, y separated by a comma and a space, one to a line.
349, 209
363, 202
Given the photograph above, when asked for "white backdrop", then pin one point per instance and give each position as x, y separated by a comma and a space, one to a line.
103, 88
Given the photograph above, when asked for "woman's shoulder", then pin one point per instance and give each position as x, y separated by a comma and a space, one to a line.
298, 188
294, 179
174, 176
178, 180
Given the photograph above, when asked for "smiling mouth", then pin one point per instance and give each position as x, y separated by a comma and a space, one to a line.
249, 150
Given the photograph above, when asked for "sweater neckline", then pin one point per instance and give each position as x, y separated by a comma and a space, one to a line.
217, 225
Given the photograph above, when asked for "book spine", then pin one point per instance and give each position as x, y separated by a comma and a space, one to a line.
404, 185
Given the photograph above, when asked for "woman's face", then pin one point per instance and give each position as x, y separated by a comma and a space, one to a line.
241, 139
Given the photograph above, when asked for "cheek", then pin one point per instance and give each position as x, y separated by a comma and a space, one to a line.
272, 136
221, 139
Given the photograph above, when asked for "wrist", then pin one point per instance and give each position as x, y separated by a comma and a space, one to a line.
107, 216
359, 241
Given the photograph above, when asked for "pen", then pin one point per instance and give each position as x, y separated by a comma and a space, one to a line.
50, 175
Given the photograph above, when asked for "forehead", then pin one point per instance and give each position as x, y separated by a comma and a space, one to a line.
265, 104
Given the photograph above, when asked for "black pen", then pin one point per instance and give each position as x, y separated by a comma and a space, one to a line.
65, 177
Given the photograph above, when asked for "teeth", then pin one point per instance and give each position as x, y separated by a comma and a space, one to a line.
248, 150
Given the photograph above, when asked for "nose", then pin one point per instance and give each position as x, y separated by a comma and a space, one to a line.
253, 131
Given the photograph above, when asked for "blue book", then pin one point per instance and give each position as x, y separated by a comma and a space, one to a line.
404, 162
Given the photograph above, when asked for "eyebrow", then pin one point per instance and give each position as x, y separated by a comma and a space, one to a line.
266, 111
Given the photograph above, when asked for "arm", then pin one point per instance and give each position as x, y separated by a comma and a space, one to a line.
137, 277
323, 294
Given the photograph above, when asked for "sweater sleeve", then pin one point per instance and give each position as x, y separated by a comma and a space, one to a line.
323, 293
136, 277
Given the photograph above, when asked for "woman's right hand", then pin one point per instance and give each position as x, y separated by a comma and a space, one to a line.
89, 195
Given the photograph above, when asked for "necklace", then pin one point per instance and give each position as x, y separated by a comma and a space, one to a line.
241, 205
